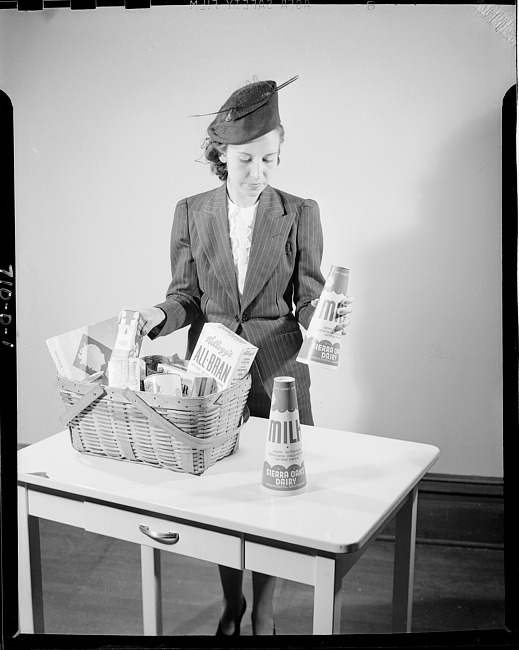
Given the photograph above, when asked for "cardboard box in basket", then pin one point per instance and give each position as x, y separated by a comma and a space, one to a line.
124, 367
222, 355
193, 385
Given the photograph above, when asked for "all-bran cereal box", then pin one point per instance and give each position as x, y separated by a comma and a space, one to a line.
222, 355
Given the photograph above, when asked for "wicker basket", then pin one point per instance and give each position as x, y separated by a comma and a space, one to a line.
184, 434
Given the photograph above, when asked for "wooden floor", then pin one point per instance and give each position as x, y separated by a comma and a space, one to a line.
92, 586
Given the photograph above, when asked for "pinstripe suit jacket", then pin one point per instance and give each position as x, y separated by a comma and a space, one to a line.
283, 276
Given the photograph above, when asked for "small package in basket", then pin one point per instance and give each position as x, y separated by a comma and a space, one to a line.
193, 385
163, 384
221, 354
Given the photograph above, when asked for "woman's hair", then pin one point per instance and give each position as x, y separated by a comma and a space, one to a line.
214, 150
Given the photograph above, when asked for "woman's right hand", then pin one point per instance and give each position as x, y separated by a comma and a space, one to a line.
152, 317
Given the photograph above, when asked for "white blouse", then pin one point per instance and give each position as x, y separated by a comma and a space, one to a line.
241, 225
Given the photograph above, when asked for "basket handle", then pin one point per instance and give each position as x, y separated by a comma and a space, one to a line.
81, 404
170, 428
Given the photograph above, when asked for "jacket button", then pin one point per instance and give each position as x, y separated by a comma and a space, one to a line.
237, 319
244, 318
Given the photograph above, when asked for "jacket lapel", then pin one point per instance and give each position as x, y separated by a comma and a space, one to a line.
214, 231
271, 229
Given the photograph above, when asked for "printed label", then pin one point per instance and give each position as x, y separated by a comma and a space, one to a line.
320, 351
280, 477
92, 356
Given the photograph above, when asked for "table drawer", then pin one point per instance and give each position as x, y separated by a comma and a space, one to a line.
184, 539
56, 508
298, 567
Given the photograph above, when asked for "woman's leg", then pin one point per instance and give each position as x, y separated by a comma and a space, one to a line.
263, 607
232, 598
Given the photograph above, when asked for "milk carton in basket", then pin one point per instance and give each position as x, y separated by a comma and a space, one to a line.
222, 355
122, 369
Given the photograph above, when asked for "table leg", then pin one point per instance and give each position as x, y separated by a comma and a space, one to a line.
151, 591
403, 574
30, 591
327, 596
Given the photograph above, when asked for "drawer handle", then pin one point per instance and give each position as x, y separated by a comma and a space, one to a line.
163, 538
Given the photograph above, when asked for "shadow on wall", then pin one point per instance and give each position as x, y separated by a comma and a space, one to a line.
433, 313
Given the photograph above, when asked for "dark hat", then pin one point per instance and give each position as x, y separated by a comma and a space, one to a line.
249, 113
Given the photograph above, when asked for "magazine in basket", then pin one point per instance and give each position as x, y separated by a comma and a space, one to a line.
85, 351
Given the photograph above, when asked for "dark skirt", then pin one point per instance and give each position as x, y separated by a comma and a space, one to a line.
261, 394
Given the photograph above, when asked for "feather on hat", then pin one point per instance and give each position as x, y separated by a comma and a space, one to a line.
249, 113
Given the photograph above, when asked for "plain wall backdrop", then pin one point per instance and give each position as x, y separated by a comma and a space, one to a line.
394, 127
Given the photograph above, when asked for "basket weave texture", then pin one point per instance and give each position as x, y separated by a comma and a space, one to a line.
178, 433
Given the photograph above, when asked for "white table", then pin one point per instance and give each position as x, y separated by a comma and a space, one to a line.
356, 484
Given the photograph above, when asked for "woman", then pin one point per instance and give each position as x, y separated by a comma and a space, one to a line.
248, 256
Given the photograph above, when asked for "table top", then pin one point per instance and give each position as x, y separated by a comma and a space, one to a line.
354, 482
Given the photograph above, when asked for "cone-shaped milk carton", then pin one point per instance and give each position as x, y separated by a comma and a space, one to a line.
284, 468
322, 345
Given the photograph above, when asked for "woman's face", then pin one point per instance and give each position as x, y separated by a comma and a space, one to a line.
250, 166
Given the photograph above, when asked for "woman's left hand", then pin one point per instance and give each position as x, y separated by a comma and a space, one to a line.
343, 310
342, 315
